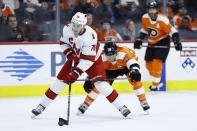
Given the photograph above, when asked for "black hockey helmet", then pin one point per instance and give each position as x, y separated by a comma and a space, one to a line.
110, 48
152, 5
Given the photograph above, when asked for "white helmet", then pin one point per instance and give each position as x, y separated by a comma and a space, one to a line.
79, 18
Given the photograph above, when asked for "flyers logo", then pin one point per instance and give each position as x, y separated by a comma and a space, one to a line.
152, 32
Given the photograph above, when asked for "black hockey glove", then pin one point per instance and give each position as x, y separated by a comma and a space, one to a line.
88, 86
137, 44
135, 75
178, 46
177, 43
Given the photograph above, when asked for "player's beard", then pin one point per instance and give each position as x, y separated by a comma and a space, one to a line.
153, 16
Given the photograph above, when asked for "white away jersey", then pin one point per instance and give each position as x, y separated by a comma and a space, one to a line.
85, 45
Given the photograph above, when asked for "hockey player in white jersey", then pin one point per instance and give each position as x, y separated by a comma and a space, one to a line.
79, 43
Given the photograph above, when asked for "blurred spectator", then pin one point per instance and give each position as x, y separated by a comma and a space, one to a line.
108, 34
108, 10
191, 7
17, 32
185, 24
168, 9
129, 32
31, 31
31, 6
65, 11
13, 4
176, 5
129, 9
5, 33
194, 24
4, 12
179, 17
2, 18
90, 23
84, 6
42, 14
93, 3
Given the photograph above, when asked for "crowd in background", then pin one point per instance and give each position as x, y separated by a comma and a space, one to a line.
35, 20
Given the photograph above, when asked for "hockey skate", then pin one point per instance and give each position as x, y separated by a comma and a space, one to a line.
39, 109
82, 108
155, 89
125, 112
145, 106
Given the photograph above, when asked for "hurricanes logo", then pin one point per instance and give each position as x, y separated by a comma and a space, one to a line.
20, 65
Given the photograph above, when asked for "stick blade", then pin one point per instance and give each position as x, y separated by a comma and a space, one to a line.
62, 122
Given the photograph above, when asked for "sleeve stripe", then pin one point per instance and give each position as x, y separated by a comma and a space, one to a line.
131, 62
143, 31
62, 43
91, 58
67, 50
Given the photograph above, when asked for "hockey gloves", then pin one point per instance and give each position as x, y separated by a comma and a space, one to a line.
177, 43
73, 75
71, 56
135, 75
137, 44
178, 46
88, 86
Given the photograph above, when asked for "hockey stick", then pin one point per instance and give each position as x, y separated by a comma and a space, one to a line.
95, 78
62, 121
157, 46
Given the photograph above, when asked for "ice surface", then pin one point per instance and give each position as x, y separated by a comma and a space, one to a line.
170, 111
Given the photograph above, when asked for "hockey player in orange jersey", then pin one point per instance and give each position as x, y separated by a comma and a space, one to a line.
118, 61
159, 31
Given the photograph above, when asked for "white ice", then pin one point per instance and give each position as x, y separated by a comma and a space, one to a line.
170, 111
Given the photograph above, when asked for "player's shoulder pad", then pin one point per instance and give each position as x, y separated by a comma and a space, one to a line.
125, 49
90, 36
145, 16
66, 28
163, 18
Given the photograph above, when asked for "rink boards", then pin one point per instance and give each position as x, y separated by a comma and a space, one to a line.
28, 69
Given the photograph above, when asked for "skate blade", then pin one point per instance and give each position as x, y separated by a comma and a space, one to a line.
33, 116
147, 112
79, 113
154, 92
130, 116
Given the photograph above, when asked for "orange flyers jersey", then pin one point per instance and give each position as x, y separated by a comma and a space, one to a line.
6, 10
108, 37
125, 57
158, 29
